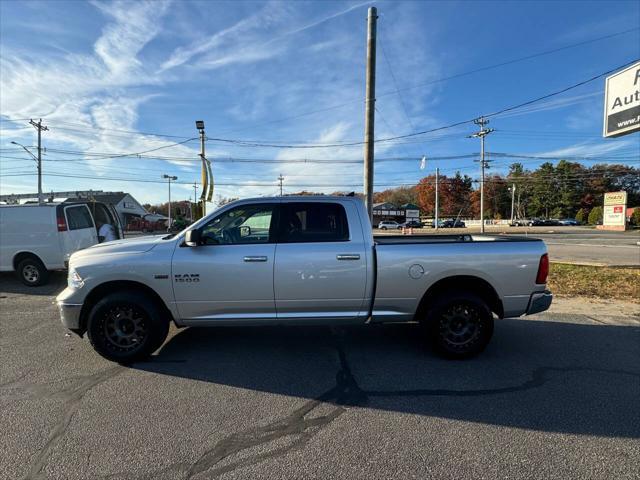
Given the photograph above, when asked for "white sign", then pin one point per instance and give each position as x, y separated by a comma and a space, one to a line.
615, 206
412, 214
622, 102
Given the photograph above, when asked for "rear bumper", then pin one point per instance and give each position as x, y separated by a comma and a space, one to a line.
70, 315
539, 302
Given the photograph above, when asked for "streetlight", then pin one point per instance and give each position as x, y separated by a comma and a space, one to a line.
169, 178
39, 164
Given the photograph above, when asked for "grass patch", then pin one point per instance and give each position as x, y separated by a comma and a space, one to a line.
601, 282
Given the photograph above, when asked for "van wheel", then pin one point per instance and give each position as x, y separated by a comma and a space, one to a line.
459, 325
126, 327
32, 272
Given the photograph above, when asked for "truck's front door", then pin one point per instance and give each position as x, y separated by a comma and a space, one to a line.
321, 265
229, 277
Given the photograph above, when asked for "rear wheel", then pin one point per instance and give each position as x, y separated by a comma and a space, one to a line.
32, 272
125, 327
459, 325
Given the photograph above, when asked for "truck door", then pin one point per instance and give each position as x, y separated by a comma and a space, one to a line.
81, 231
321, 270
229, 277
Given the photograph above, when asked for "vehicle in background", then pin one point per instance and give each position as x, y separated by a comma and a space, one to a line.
440, 224
520, 222
451, 223
571, 222
144, 225
35, 239
411, 224
389, 225
536, 222
300, 260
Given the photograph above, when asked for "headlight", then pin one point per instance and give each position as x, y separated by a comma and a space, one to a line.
74, 280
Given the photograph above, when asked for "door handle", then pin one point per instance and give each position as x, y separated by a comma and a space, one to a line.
257, 258
348, 256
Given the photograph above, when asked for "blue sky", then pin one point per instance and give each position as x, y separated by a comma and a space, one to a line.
293, 73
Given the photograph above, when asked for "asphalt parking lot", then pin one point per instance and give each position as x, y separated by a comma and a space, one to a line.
554, 396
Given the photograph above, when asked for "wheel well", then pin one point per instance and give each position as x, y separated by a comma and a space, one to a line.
23, 256
458, 283
107, 288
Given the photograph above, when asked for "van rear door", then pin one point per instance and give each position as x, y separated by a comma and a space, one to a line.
80, 229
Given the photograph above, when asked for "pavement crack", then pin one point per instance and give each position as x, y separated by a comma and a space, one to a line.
299, 425
539, 377
72, 397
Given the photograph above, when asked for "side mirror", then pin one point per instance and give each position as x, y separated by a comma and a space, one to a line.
192, 238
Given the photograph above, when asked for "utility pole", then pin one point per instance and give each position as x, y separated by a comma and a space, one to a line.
200, 127
169, 178
513, 200
39, 127
369, 112
437, 184
481, 122
280, 179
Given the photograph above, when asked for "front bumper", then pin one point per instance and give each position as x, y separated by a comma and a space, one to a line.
539, 302
70, 315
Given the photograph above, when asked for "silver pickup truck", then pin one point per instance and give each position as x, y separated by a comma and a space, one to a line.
294, 261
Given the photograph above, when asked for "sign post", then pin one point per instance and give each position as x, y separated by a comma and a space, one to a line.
622, 102
615, 207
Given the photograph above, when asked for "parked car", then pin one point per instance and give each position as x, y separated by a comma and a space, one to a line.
440, 223
300, 260
453, 224
569, 222
411, 224
35, 239
389, 225
520, 222
536, 222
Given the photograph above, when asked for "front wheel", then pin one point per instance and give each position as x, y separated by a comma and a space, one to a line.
383, 228
459, 325
125, 327
32, 272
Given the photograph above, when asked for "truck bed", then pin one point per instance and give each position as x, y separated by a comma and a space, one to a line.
463, 238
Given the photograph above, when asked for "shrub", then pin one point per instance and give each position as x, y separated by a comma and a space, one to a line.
582, 215
595, 216
635, 217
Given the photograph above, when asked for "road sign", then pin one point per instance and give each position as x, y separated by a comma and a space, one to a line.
622, 102
615, 205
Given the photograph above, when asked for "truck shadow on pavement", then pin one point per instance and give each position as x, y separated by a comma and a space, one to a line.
538, 375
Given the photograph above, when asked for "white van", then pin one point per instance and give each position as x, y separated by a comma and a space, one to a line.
35, 239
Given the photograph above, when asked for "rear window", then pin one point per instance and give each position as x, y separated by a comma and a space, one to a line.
313, 222
78, 217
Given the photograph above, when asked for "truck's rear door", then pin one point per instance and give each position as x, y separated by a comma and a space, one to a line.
321, 266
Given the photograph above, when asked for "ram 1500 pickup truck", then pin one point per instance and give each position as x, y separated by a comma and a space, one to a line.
299, 261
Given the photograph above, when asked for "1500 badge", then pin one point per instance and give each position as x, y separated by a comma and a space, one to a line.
186, 277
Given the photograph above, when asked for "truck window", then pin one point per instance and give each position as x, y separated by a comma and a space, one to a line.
241, 225
313, 222
79, 217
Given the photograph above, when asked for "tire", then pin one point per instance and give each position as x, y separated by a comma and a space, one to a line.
383, 228
32, 272
459, 325
126, 327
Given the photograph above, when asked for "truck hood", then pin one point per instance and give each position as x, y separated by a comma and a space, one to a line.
126, 246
